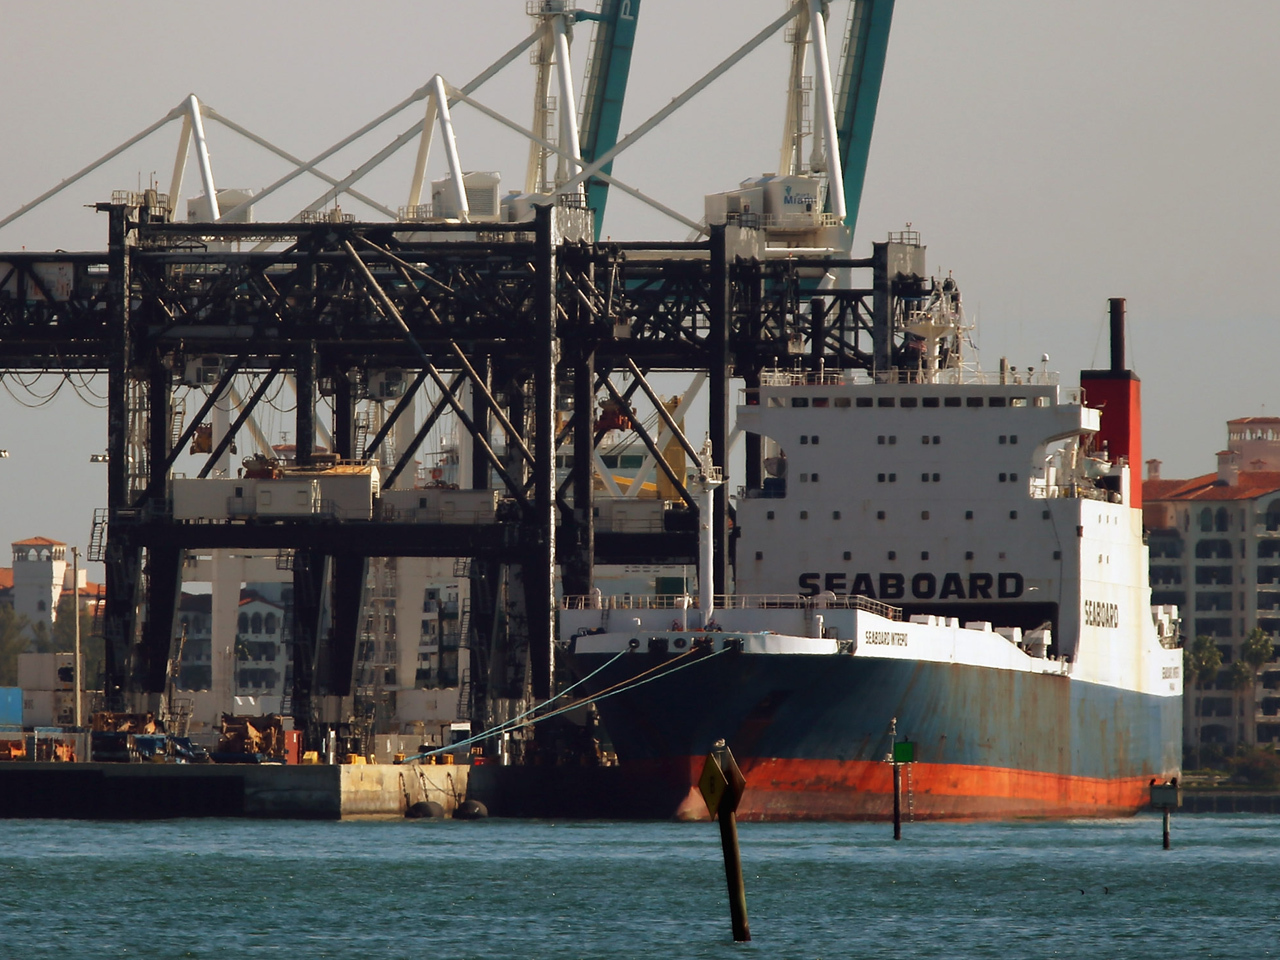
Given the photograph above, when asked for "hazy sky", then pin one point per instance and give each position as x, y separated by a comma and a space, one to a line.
1053, 155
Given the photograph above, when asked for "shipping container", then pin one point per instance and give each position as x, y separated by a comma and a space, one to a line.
10, 706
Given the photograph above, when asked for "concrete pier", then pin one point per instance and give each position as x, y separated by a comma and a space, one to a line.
144, 791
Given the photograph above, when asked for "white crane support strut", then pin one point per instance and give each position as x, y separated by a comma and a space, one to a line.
202, 157
424, 154
827, 104
441, 98
180, 162
568, 109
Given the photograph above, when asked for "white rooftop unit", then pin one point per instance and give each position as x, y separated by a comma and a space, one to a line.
443, 505
519, 207
771, 202
228, 199
482, 190
224, 498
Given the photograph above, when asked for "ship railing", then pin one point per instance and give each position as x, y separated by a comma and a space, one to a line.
749, 601
1070, 491
800, 220
951, 376
762, 601
801, 378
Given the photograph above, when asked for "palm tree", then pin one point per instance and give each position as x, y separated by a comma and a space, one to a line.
14, 638
1255, 651
1201, 662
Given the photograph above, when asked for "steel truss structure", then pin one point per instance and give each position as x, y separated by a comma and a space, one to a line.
535, 317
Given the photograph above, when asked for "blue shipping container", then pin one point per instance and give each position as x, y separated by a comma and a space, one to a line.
11, 706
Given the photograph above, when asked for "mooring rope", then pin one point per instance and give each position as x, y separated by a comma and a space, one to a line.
621, 686
501, 727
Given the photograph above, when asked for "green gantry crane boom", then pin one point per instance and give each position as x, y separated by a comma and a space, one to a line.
858, 91
605, 89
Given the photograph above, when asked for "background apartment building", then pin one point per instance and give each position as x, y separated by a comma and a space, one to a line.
1215, 552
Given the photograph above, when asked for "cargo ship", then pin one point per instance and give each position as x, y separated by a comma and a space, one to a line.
937, 555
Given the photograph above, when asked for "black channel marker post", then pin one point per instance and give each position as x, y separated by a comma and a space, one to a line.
1166, 796
722, 784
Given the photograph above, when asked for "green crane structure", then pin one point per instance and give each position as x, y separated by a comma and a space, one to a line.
605, 89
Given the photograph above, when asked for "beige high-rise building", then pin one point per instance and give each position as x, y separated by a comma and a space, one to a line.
1215, 552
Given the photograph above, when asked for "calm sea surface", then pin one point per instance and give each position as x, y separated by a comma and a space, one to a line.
509, 889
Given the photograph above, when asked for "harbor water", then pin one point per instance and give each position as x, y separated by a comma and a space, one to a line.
516, 889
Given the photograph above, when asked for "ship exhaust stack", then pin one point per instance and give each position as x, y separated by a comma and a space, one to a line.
1117, 334
1117, 392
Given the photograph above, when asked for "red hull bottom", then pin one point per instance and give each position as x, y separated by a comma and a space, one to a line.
785, 789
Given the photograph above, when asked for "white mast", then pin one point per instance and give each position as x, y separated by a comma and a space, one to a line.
705, 483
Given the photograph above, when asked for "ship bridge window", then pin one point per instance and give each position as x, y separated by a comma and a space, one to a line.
884, 401
973, 401
776, 402
929, 402
799, 401
1017, 401
864, 401
1042, 401
909, 401
952, 402
841, 402
822, 401
996, 401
